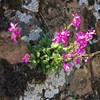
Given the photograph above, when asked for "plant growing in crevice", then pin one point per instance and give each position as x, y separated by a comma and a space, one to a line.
45, 57
53, 54
50, 55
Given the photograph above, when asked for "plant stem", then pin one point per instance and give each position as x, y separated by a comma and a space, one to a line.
92, 54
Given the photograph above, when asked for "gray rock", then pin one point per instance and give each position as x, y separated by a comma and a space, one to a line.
51, 86
83, 2
34, 35
23, 17
97, 8
32, 6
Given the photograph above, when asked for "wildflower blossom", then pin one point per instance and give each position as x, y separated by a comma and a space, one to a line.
76, 21
62, 37
92, 32
71, 54
13, 37
13, 27
77, 60
64, 55
25, 58
66, 66
89, 34
15, 31
80, 51
81, 39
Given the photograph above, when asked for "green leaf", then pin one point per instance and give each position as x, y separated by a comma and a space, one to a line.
54, 45
34, 63
38, 54
68, 48
45, 61
48, 66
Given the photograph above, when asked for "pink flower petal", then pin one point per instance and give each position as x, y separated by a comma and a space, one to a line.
77, 60
64, 55
10, 29
66, 66
25, 58
12, 25
13, 37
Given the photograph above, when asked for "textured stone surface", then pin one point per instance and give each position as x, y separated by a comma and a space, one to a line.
83, 2
31, 5
96, 66
98, 28
12, 52
79, 82
52, 85
23, 17
97, 8
34, 35
58, 11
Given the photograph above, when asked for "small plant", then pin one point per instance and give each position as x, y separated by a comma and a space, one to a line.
50, 55
45, 57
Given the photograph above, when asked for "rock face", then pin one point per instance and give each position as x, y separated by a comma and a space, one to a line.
96, 66
32, 5
98, 28
52, 85
96, 12
12, 82
80, 83
54, 14
12, 52
23, 17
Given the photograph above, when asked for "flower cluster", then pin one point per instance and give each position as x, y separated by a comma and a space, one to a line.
78, 50
62, 37
15, 31
65, 52
82, 39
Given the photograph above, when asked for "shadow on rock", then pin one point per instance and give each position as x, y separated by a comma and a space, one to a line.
14, 79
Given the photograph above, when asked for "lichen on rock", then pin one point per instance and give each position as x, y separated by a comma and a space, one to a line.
52, 86
23, 17
32, 6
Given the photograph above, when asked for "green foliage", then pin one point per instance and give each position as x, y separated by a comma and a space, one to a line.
45, 56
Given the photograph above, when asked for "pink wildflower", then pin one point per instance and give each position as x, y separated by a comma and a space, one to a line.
89, 34
76, 21
25, 58
66, 66
12, 28
80, 51
15, 31
62, 37
92, 32
77, 60
64, 55
13, 37
81, 39
71, 54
